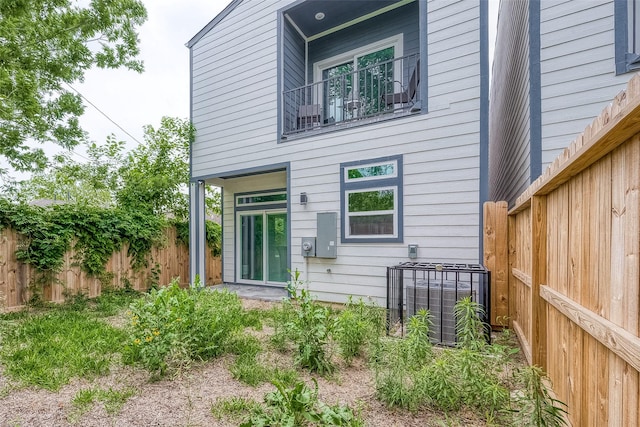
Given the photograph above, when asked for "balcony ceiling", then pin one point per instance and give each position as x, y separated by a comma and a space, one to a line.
336, 13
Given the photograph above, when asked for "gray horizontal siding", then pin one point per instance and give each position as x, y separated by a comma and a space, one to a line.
577, 69
509, 150
236, 120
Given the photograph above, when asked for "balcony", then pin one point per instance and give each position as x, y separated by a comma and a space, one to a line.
376, 90
347, 63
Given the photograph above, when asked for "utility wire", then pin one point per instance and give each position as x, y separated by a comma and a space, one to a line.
103, 113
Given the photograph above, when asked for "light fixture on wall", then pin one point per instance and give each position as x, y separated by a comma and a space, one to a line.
303, 198
319, 16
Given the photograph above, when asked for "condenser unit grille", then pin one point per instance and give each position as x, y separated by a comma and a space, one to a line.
437, 288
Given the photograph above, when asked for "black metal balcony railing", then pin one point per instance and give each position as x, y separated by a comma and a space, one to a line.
383, 88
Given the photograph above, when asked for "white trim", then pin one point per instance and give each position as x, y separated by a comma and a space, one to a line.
397, 42
258, 204
394, 212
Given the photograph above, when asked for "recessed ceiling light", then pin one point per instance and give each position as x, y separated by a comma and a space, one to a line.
319, 16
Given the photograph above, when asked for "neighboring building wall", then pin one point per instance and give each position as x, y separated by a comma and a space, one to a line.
534, 117
577, 64
235, 83
509, 150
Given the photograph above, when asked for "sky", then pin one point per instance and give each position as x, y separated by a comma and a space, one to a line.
133, 100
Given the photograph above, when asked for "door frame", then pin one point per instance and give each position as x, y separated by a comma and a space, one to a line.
264, 210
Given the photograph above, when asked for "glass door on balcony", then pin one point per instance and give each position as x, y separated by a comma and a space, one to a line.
263, 247
354, 89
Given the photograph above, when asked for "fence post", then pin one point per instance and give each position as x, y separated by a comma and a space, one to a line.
538, 277
496, 259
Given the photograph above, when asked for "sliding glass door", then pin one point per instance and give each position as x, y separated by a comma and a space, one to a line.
263, 247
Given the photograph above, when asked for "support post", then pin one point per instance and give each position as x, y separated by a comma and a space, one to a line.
197, 230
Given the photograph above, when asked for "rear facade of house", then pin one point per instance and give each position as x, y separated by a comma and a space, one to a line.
344, 136
557, 65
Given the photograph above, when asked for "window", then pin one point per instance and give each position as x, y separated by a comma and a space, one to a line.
371, 200
627, 30
353, 82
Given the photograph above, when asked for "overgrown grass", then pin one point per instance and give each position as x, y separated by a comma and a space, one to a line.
171, 327
47, 350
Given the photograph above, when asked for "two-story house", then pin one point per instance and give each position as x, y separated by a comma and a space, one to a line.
557, 64
344, 136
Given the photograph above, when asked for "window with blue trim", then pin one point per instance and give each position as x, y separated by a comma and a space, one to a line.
371, 200
627, 29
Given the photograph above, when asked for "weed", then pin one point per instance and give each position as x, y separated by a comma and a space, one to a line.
470, 329
299, 406
113, 400
357, 326
111, 301
536, 405
234, 408
171, 326
309, 328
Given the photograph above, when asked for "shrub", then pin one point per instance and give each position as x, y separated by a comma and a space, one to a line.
170, 327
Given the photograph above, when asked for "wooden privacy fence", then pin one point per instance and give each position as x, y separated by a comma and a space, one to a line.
570, 257
165, 263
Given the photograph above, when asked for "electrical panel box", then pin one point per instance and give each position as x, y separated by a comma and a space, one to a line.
327, 240
308, 246
413, 251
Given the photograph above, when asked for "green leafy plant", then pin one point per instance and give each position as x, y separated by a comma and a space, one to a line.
171, 326
309, 328
94, 233
298, 406
398, 362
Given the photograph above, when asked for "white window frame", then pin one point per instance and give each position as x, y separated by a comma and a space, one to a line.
397, 42
349, 215
369, 165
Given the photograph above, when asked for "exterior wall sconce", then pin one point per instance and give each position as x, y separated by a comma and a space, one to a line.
303, 198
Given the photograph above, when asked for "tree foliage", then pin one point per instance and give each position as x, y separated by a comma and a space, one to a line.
156, 174
45, 44
152, 178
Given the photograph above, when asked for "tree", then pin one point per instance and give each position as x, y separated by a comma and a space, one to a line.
155, 175
44, 44
153, 178
93, 182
